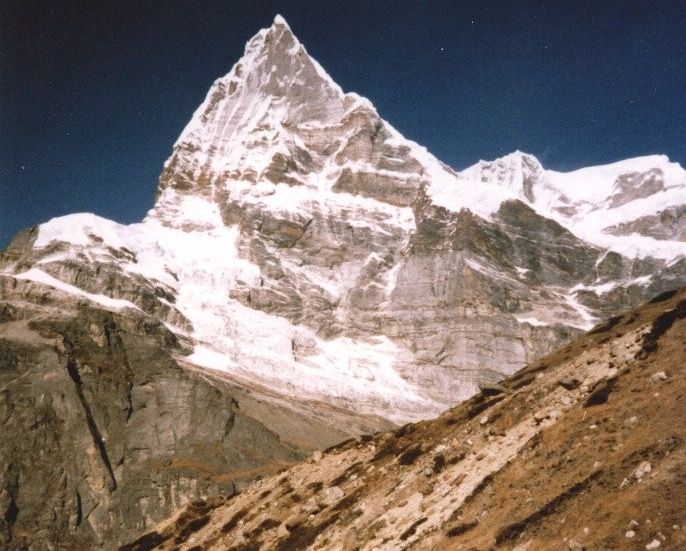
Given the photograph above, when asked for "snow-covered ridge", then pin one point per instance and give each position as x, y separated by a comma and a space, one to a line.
579, 200
38, 276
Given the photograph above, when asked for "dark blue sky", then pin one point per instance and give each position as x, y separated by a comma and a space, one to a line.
93, 94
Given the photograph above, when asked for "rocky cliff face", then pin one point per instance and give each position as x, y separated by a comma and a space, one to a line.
104, 432
583, 449
306, 261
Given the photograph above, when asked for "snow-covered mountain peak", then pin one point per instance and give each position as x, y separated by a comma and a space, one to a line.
275, 79
269, 120
516, 172
280, 20
522, 173
278, 131
300, 242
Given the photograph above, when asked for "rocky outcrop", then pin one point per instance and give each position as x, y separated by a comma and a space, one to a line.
636, 185
105, 433
569, 453
666, 224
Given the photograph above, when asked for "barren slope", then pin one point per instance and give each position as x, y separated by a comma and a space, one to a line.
583, 449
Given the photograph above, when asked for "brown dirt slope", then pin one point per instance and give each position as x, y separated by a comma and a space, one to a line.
583, 449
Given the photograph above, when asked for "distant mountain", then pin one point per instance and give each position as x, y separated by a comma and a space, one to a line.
304, 257
583, 449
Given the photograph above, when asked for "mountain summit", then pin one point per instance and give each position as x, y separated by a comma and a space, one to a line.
305, 261
238, 129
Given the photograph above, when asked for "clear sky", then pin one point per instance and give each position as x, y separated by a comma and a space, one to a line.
94, 94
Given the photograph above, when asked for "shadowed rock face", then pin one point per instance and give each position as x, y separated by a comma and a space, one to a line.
104, 432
